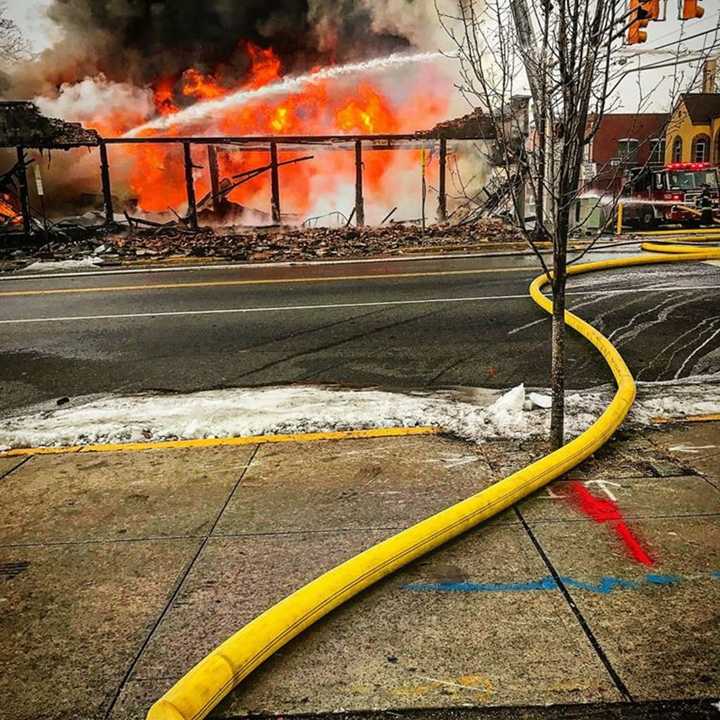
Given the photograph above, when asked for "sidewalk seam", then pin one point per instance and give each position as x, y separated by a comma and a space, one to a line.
616, 679
178, 586
15, 467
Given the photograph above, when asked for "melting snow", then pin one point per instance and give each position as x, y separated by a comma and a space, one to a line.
41, 266
477, 415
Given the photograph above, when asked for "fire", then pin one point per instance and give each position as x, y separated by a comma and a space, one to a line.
201, 87
264, 66
163, 95
368, 112
8, 214
156, 174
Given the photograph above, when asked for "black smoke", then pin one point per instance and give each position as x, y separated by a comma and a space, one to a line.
139, 41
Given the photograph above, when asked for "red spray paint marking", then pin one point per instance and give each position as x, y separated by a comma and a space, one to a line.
604, 510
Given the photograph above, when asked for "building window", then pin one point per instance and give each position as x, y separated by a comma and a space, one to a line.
627, 149
701, 149
677, 149
717, 147
657, 151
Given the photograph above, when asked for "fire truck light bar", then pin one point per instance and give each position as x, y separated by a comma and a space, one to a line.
689, 166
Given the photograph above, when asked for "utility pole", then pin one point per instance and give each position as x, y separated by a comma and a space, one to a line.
527, 44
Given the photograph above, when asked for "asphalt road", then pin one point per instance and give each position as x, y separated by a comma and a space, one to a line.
396, 324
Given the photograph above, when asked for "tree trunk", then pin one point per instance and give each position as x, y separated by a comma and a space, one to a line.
557, 371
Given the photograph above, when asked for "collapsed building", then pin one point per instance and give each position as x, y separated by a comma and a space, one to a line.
23, 128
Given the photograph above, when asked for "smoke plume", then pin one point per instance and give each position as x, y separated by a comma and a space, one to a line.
140, 41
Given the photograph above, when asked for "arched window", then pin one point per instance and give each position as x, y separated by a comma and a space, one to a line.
677, 149
700, 149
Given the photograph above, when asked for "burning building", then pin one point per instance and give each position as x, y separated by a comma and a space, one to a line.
244, 88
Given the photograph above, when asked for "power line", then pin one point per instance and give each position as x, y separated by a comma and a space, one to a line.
682, 40
663, 65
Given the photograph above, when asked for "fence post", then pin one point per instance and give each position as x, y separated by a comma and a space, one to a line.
190, 187
275, 184
359, 200
106, 186
24, 195
442, 192
214, 178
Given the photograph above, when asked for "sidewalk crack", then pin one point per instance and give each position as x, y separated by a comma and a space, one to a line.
616, 679
179, 583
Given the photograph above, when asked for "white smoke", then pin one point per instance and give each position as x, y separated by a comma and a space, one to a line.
97, 97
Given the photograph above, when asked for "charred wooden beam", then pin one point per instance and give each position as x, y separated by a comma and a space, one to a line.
275, 183
190, 187
389, 215
384, 141
442, 192
359, 200
23, 191
106, 186
214, 178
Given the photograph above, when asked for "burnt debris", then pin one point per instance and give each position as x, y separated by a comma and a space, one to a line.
22, 125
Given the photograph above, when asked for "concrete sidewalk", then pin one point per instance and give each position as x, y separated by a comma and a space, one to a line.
119, 571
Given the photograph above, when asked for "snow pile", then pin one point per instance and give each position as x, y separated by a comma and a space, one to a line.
478, 416
42, 266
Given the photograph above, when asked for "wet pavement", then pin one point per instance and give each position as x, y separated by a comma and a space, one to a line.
121, 570
402, 324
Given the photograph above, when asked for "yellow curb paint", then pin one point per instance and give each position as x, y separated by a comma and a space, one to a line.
219, 442
236, 283
687, 418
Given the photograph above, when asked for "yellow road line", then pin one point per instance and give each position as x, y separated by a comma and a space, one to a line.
276, 281
219, 442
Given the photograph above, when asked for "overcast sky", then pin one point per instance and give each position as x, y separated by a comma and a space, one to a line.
41, 33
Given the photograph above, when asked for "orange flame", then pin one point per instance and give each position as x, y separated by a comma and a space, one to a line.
201, 87
7, 211
157, 176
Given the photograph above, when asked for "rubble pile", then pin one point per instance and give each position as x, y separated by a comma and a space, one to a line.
267, 244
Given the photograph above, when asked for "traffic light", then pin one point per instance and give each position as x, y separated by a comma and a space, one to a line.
691, 9
653, 8
640, 15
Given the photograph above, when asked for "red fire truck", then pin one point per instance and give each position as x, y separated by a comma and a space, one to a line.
653, 196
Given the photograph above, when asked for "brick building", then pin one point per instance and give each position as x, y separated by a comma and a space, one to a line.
623, 141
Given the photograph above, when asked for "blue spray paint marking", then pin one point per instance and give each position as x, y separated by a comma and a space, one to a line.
546, 583
605, 585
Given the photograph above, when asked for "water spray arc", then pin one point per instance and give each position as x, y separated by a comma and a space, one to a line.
286, 86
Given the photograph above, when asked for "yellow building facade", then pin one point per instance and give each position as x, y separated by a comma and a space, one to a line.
693, 133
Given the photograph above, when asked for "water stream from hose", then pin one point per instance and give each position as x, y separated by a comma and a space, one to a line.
286, 86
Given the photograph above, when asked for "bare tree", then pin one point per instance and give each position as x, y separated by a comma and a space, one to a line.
13, 46
564, 54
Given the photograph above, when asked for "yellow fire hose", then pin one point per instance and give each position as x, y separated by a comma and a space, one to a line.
202, 688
